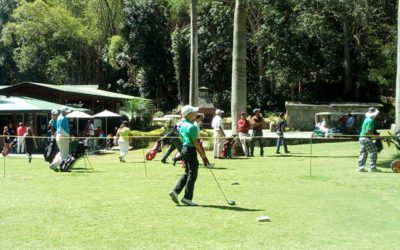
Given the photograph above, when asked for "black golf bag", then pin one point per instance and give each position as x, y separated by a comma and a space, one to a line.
77, 153
50, 150
173, 132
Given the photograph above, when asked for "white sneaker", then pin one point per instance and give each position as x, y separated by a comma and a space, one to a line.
188, 202
174, 197
55, 168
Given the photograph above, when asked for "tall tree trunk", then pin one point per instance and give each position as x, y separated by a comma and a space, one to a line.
194, 64
348, 84
239, 86
261, 71
398, 71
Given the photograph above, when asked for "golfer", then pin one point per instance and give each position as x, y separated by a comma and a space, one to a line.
366, 144
189, 134
62, 138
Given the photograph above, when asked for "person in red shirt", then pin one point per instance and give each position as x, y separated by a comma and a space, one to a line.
21, 130
243, 127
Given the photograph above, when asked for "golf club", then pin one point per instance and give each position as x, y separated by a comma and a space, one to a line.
230, 202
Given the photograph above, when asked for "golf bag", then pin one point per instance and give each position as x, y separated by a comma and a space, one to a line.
227, 150
9, 147
378, 143
50, 150
395, 140
153, 151
237, 149
169, 137
68, 162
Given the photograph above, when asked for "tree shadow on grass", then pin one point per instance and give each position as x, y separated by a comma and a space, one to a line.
313, 156
233, 208
386, 164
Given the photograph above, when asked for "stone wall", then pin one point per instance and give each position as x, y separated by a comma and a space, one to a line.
301, 116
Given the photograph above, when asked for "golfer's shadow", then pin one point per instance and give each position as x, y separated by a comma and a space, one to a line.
234, 208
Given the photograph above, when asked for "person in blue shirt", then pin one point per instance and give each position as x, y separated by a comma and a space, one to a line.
62, 138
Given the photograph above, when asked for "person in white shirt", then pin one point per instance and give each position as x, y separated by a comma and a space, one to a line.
219, 134
349, 123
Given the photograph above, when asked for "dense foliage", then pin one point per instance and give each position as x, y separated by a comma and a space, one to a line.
298, 50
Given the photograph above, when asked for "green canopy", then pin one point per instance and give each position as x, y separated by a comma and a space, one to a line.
26, 104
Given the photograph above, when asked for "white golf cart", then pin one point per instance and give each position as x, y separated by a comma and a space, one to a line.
334, 123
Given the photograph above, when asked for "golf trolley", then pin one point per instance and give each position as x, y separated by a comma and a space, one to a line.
395, 165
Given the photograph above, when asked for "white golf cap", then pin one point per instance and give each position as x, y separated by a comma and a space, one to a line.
218, 111
65, 109
189, 109
372, 112
54, 111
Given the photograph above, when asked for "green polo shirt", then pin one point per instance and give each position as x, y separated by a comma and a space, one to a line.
188, 132
368, 125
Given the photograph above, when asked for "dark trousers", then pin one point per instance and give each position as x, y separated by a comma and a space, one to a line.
281, 140
188, 179
29, 146
257, 136
175, 144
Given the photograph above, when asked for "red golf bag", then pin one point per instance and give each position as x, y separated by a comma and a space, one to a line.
153, 151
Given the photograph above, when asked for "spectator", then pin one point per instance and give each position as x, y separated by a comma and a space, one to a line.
243, 127
123, 140
52, 127
366, 144
257, 122
62, 138
11, 130
30, 142
219, 134
99, 132
349, 123
89, 129
324, 127
110, 141
280, 129
21, 130
7, 141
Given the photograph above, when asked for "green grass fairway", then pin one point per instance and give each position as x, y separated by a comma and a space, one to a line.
116, 207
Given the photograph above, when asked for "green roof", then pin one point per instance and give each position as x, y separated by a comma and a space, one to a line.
27, 104
85, 90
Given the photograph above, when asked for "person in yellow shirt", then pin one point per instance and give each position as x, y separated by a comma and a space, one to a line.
123, 140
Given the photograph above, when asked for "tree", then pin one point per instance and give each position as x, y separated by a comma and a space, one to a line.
397, 97
239, 87
8, 69
147, 32
50, 43
194, 64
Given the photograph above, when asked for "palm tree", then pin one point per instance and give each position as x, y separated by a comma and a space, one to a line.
397, 109
239, 86
194, 64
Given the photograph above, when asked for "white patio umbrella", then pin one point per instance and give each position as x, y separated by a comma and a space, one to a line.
106, 114
78, 114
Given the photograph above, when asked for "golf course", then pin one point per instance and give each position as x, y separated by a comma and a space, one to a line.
314, 201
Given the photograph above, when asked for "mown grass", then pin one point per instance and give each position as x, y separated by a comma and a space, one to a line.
116, 207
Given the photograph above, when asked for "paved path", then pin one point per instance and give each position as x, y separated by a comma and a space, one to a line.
291, 134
